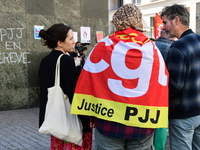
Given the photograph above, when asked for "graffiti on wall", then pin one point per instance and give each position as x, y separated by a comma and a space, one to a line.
10, 39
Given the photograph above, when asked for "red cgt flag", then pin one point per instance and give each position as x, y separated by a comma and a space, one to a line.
124, 80
157, 26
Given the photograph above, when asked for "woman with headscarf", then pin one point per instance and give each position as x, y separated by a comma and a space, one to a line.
125, 79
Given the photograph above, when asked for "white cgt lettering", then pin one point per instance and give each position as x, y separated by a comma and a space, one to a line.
100, 66
122, 71
119, 67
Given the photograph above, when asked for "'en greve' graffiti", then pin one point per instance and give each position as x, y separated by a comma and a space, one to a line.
10, 38
14, 57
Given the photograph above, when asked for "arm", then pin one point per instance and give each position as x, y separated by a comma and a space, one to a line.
68, 77
176, 64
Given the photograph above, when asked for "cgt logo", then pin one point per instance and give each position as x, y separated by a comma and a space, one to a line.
121, 70
124, 80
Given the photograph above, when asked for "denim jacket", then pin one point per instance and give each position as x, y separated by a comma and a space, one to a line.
163, 45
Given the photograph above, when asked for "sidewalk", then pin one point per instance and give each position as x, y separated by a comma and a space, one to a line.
19, 131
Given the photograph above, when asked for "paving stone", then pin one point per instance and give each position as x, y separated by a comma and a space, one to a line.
19, 131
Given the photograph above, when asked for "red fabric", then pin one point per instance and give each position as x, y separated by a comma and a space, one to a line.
116, 130
157, 26
125, 71
101, 51
57, 144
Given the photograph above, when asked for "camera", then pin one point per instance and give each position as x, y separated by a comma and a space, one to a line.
81, 48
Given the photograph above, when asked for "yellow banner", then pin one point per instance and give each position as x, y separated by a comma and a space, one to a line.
128, 114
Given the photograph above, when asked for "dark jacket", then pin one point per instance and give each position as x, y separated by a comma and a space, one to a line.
163, 45
68, 79
183, 63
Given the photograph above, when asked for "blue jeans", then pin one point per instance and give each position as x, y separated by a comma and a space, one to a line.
184, 134
103, 142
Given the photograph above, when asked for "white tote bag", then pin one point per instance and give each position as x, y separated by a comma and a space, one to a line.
58, 120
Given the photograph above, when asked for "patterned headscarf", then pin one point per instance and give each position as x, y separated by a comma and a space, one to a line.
126, 16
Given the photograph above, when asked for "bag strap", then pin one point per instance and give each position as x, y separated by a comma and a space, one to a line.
57, 72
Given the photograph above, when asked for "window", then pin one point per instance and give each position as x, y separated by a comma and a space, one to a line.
115, 4
151, 21
198, 18
120, 3
137, 2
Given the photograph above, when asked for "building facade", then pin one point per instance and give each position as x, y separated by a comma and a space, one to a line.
150, 7
20, 49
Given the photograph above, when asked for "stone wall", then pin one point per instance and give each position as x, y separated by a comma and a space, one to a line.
21, 53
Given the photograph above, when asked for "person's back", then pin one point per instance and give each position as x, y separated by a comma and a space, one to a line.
183, 63
185, 97
163, 43
125, 79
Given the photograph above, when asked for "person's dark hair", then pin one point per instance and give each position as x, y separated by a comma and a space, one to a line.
57, 32
176, 10
77, 43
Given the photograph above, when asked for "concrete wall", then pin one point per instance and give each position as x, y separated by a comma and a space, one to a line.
20, 53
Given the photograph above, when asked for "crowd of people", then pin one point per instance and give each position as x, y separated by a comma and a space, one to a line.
154, 84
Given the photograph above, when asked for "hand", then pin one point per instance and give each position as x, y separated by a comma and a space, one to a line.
80, 58
92, 122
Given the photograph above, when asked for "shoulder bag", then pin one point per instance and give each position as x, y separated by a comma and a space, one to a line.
58, 120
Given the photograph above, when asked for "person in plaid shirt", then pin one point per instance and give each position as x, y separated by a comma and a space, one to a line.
183, 63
